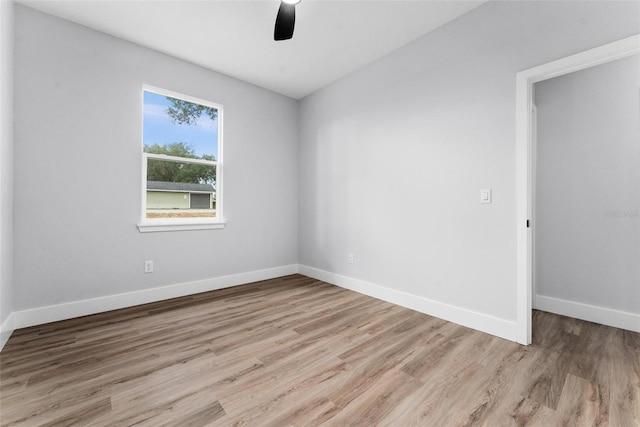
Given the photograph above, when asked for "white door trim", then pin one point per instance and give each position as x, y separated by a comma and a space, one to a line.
524, 193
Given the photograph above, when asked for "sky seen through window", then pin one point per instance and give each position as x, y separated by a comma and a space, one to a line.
159, 129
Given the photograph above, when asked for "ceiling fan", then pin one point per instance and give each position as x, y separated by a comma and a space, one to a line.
285, 20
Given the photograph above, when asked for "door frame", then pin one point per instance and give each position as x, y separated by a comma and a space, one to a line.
524, 157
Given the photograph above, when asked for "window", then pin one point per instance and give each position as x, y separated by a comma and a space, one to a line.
181, 162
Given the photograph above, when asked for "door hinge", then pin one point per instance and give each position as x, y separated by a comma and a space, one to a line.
527, 223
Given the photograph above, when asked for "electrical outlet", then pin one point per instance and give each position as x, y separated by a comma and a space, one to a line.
148, 266
350, 258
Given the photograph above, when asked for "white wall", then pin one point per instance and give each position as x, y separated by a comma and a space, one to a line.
389, 166
392, 158
6, 169
77, 170
588, 187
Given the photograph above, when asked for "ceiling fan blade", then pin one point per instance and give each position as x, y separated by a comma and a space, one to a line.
285, 21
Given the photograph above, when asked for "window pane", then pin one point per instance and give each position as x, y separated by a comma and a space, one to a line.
179, 128
180, 190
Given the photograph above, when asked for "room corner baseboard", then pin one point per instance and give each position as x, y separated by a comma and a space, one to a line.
41, 315
590, 313
6, 329
478, 321
54, 313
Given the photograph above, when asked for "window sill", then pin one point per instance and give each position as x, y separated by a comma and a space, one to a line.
181, 225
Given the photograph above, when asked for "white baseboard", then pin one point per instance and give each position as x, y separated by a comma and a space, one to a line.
591, 313
41, 315
479, 321
54, 313
6, 329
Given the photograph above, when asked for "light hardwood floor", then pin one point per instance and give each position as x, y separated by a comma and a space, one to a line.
297, 351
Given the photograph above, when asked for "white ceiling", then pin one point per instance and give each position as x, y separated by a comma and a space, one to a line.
331, 39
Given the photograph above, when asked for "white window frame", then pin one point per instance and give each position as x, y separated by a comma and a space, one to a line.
147, 225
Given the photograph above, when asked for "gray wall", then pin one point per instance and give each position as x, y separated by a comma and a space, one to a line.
386, 163
6, 166
392, 157
588, 186
77, 169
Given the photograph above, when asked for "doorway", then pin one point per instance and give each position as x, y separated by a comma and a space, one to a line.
586, 186
525, 81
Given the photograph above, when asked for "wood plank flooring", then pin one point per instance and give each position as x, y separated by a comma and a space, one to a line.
296, 351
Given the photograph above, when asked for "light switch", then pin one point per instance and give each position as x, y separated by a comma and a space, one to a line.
485, 195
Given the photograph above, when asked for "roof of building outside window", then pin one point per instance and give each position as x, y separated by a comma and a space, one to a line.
179, 186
